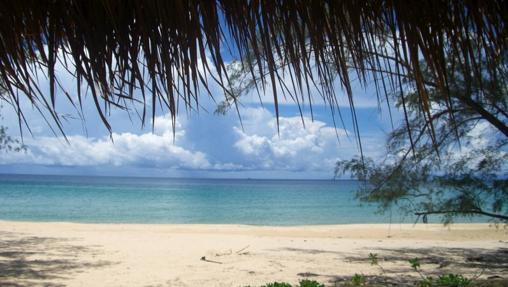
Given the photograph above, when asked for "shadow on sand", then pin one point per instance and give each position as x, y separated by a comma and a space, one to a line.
488, 260
40, 261
491, 264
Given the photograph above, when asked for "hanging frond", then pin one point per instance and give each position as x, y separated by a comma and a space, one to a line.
164, 51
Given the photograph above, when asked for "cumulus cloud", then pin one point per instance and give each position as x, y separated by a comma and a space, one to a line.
315, 147
196, 145
480, 137
159, 149
257, 147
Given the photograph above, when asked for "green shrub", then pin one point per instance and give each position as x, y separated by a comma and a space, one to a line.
373, 259
277, 284
447, 280
415, 264
453, 280
310, 283
358, 280
426, 282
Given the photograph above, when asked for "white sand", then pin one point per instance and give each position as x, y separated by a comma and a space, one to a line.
169, 255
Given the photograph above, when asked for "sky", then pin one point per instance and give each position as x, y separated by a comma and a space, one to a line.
205, 145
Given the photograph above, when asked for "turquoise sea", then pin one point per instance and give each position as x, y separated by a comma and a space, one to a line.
160, 200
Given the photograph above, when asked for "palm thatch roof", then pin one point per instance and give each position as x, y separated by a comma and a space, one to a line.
169, 50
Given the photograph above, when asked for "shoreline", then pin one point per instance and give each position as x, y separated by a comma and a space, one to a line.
336, 225
420, 231
89, 254
320, 230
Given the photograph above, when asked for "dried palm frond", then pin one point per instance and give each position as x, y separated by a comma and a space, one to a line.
169, 49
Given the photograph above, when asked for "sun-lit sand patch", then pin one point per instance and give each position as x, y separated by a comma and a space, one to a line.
75, 254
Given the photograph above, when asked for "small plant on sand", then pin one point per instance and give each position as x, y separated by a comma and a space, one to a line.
453, 280
303, 283
447, 280
310, 283
415, 265
374, 260
358, 280
277, 284
426, 281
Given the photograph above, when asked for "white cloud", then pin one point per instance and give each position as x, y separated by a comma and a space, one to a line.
159, 149
364, 95
315, 147
257, 147
481, 136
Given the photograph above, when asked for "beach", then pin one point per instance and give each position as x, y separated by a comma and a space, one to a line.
254, 143
78, 254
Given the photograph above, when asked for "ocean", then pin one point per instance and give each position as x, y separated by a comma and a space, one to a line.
181, 201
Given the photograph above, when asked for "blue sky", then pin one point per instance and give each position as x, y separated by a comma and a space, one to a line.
204, 145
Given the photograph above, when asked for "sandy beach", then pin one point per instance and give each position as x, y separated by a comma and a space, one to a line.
72, 254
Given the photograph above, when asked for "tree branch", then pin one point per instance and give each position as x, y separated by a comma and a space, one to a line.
502, 127
474, 211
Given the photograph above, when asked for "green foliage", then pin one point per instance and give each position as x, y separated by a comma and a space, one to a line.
446, 280
358, 280
302, 283
425, 282
310, 283
373, 259
449, 162
415, 264
240, 83
453, 280
277, 284
8, 144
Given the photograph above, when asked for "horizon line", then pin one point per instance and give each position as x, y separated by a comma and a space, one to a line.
173, 177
